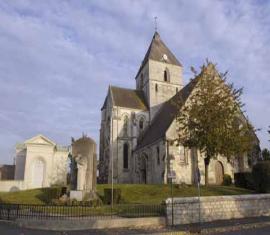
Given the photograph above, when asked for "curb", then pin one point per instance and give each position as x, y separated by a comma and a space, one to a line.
9, 222
235, 227
68, 225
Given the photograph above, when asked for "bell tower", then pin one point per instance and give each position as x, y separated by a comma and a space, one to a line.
160, 75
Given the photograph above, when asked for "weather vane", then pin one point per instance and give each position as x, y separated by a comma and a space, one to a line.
155, 23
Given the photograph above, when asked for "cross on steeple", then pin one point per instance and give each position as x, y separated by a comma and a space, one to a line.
155, 23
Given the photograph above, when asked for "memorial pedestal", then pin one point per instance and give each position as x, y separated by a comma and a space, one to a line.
76, 194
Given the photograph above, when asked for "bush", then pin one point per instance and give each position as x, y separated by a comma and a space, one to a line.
244, 180
94, 202
108, 195
48, 194
261, 175
227, 180
57, 202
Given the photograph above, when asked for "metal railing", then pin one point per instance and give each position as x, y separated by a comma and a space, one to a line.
17, 211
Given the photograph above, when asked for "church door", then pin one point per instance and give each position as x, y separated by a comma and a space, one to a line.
143, 175
219, 172
38, 169
143, 169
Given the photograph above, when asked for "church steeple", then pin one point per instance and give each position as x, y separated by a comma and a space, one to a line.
158, 51
160, 74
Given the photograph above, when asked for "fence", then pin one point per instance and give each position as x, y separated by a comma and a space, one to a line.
17, 211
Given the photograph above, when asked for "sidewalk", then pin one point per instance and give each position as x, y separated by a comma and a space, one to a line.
206, 228
219, 226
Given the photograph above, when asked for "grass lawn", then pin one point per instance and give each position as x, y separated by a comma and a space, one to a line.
23, 197
153, 194
131, 193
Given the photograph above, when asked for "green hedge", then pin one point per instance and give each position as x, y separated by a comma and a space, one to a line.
108, 195
244, 180
48, 194
93, 203
261, 175
227, 180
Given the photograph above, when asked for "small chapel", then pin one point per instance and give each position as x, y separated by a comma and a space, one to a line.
138, 127
39, 163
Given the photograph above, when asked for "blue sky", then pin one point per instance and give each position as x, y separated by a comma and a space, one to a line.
58, 58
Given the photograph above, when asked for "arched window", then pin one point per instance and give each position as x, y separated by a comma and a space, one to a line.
125, 156
125, 127
158, 157
141, 124
133, 118
156, 87
166, 75
38, 172
182, 154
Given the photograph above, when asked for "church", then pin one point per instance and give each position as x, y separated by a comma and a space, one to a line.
138, 127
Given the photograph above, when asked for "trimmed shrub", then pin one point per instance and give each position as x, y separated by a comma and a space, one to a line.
261, 175
108, 195
244, 180
94, 202
57, 202
227, 180
48, 194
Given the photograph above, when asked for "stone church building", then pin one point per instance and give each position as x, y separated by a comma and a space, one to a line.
138, 126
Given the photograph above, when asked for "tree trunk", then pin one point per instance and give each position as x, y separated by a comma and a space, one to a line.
206, 166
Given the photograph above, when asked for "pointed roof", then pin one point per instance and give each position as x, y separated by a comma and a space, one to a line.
157, 50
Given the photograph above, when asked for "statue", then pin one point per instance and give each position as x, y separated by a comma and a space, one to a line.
73, 172
83, 167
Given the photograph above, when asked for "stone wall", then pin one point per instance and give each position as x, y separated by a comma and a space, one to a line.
159, 91
186, 210
155, 164
7, 172
11, 185
113, 136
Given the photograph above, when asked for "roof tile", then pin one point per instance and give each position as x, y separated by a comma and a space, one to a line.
128, 98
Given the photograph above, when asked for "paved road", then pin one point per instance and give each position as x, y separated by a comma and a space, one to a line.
12, 229
256, 231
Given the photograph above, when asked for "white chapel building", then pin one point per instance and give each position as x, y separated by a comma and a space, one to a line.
39, 163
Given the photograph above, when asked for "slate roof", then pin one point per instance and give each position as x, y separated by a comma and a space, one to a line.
127, 98
166, 115
156, 51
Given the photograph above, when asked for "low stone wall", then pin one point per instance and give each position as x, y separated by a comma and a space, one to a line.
11, 185
186, 210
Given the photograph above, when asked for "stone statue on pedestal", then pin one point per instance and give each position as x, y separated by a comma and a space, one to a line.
83, 167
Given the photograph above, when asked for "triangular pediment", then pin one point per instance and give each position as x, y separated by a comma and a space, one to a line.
40, 139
